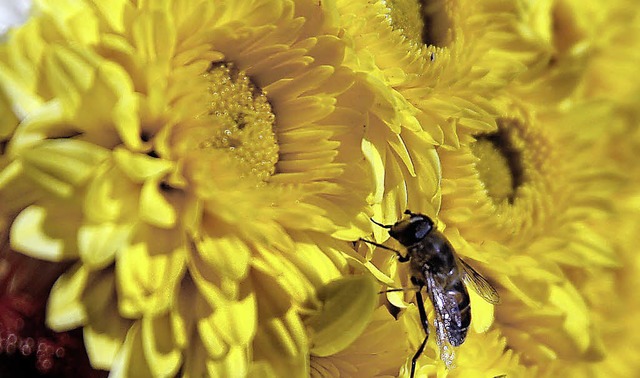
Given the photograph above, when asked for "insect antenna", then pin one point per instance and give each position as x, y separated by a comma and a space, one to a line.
388, 226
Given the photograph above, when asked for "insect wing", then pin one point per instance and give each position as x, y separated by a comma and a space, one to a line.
447, 318
479, 284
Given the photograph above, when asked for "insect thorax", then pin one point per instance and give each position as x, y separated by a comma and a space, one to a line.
433, 253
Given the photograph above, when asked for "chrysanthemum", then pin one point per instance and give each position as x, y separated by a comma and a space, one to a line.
436, 65
428, 83
442, 60
523, 200
394, 134
201, 164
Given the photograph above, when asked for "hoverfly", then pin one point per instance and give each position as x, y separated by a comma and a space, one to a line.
435, 266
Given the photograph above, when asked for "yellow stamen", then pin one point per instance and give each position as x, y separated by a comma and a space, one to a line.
499, 163
242, 119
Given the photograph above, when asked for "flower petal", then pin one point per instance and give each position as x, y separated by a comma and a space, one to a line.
148, 274
155, 208
98, 243
161, 352
139, 167
223, 251
236, 321
61, 165
348, 307
65, 309
130, 360
38, 232
106, 332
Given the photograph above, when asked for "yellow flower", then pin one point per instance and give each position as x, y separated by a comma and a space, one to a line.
524, 200
435, 58
394, 132
201, 166
434, 67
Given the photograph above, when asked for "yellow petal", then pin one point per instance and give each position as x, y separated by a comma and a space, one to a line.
313, 262
155, 209
74, 18
577, 318
65, 309
112, 13
213, 343
162, 355
39, 232
99, 243
102, 348
139, 167
22, 100
130, 360
348, 307
194, 364
481, 312
110, 197
61, 165
182, 319
234, 364
147, 277
281, 340
106, 332
16, 190
68, 75
224, 251
237, 320
377, 166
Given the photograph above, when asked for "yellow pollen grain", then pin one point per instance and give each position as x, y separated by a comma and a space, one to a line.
243, 121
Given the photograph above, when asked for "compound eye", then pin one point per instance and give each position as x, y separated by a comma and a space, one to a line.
422, 229
412, 230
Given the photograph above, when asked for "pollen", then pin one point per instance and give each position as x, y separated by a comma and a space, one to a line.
242, 120
499, 164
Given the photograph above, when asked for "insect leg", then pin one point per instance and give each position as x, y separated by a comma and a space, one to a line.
399, 289
424, 321
400, 257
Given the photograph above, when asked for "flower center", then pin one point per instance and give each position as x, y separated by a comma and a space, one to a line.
499, 162
423, 21
241, 119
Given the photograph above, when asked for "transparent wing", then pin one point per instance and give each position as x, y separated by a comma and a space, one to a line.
479, 283
447, 316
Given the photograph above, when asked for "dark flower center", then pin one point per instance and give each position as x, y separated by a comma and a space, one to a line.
499, 162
